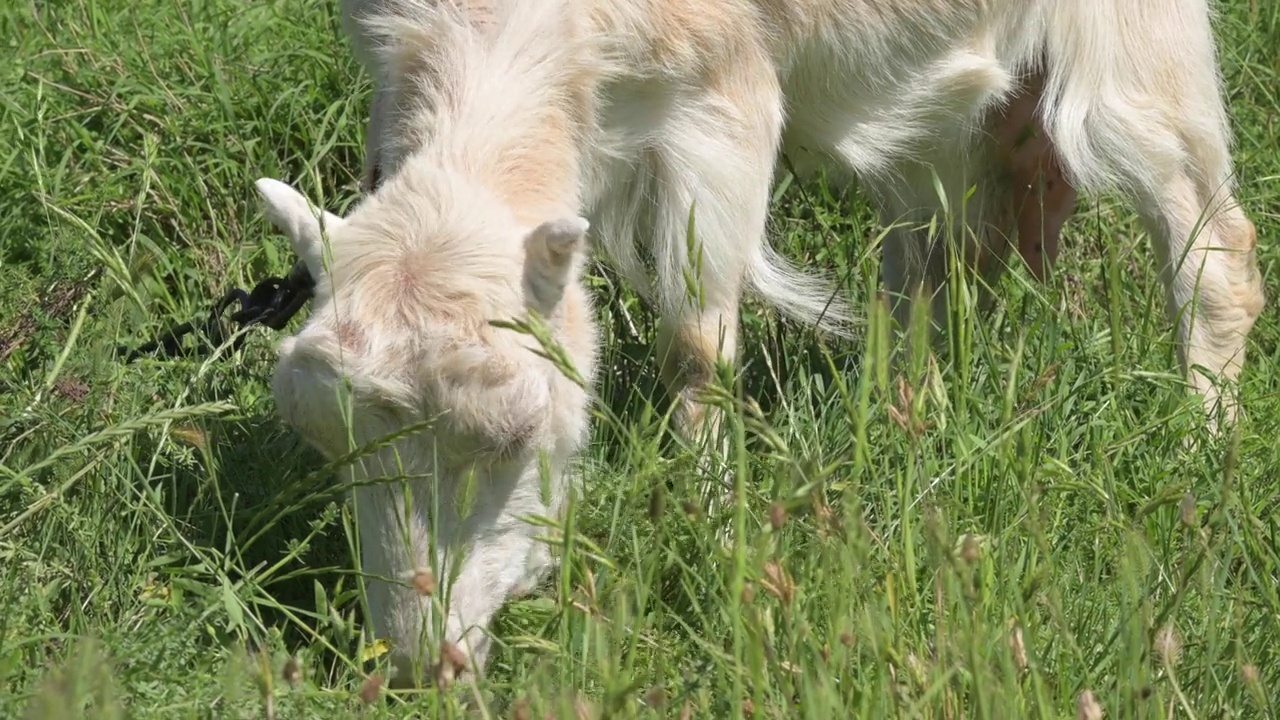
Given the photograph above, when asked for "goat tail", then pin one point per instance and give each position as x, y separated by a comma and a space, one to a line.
807, 297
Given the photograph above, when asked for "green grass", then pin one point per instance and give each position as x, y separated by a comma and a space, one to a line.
166, 546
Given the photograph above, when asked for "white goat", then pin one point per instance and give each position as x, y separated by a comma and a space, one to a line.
495, 123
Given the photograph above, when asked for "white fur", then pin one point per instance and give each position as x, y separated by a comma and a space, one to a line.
495, 123
399, 335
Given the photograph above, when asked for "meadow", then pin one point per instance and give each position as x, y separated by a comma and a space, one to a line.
1023, 532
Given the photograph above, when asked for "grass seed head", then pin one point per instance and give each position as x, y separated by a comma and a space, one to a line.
292, 672
424, 583
453, 662
655, 698
906, 393
777, 516
1019, 648
584, 709
657, 503
1087, 708
898, 418
445, 676
918, 670
1168, 646
191, 436
370, 689
454, 655
1187, 510
778, 583
827, 520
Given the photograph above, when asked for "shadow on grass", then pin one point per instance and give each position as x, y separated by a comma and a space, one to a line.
255, 507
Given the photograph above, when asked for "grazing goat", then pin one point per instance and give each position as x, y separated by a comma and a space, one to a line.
497, 125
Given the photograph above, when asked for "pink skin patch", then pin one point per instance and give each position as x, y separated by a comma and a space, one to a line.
1043, 198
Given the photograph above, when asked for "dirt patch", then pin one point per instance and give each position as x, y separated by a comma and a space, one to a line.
57, 304
71, 388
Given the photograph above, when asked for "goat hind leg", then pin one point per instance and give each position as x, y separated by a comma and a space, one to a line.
712, 174
1160, 130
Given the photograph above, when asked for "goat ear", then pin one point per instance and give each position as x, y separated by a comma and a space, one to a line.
304, 224
551, 251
